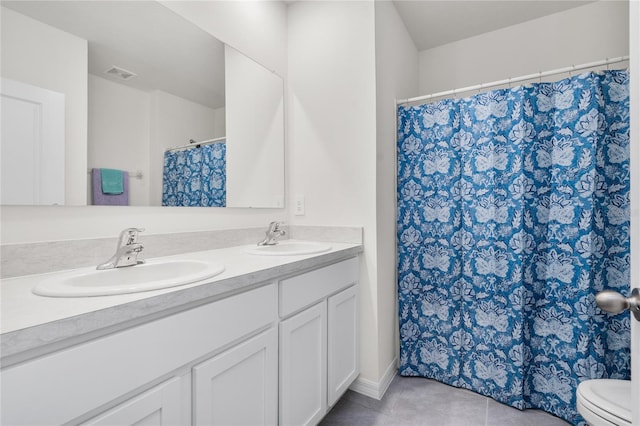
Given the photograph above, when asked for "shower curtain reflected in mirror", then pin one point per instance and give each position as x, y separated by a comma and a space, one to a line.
513, 212
195, 176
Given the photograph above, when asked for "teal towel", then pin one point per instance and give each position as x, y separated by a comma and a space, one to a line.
112, 181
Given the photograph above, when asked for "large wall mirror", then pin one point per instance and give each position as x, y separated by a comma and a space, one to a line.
128, 103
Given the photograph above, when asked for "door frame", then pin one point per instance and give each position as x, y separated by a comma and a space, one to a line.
634, 67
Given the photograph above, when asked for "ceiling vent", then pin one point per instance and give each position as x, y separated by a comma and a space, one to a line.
120, 73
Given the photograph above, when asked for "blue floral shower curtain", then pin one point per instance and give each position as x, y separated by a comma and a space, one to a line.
513, 212
195, 176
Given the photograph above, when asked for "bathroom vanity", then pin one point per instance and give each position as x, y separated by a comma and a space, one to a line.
271, 340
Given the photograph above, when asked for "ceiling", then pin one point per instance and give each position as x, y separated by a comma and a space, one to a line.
433, 23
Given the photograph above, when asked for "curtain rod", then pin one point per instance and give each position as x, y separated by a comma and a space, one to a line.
193, 143
538, 75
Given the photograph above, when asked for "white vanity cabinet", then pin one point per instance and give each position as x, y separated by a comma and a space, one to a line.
275, 351
120, 377
237, 387
319, 340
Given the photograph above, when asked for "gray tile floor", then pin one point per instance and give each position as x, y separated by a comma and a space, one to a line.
424, 402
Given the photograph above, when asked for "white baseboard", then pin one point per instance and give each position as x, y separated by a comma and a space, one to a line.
373, 389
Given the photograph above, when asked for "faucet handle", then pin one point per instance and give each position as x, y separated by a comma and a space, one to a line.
129, 236
127, 251
275, 231
272, 234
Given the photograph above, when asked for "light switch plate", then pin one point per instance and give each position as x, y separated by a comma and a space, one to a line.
298, 208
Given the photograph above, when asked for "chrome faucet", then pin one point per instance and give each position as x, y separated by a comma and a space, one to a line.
127, 252
273, 233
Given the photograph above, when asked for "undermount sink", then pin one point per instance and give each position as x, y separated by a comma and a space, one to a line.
289, 248
152, 275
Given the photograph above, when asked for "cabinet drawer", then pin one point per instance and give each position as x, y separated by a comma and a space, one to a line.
304, 290
63, 385
158, 406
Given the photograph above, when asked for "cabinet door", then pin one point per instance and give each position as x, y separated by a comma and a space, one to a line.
158, 406
239, 386
303, 367
343, 342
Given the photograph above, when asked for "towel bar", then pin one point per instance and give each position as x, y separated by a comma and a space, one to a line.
136, 175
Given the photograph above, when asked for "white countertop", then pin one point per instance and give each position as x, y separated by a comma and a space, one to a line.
39, 324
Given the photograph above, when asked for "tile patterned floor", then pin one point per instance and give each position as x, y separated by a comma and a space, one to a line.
422, 402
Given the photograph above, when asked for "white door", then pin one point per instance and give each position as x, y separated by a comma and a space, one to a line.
634, 50
159, 406
303, 367
342, 342
31, 145
239, 386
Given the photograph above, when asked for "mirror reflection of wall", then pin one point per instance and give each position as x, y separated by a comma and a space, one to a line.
176, 94
261, 120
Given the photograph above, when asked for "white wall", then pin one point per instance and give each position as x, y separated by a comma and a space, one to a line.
46, 57
396, 78
257, 29
119, 125
332, 131
584, 34
174, 121
255, 133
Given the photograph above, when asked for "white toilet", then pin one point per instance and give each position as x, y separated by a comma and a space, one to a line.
605, 402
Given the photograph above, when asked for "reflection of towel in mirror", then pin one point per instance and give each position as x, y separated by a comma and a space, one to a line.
98, 198
112, 181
